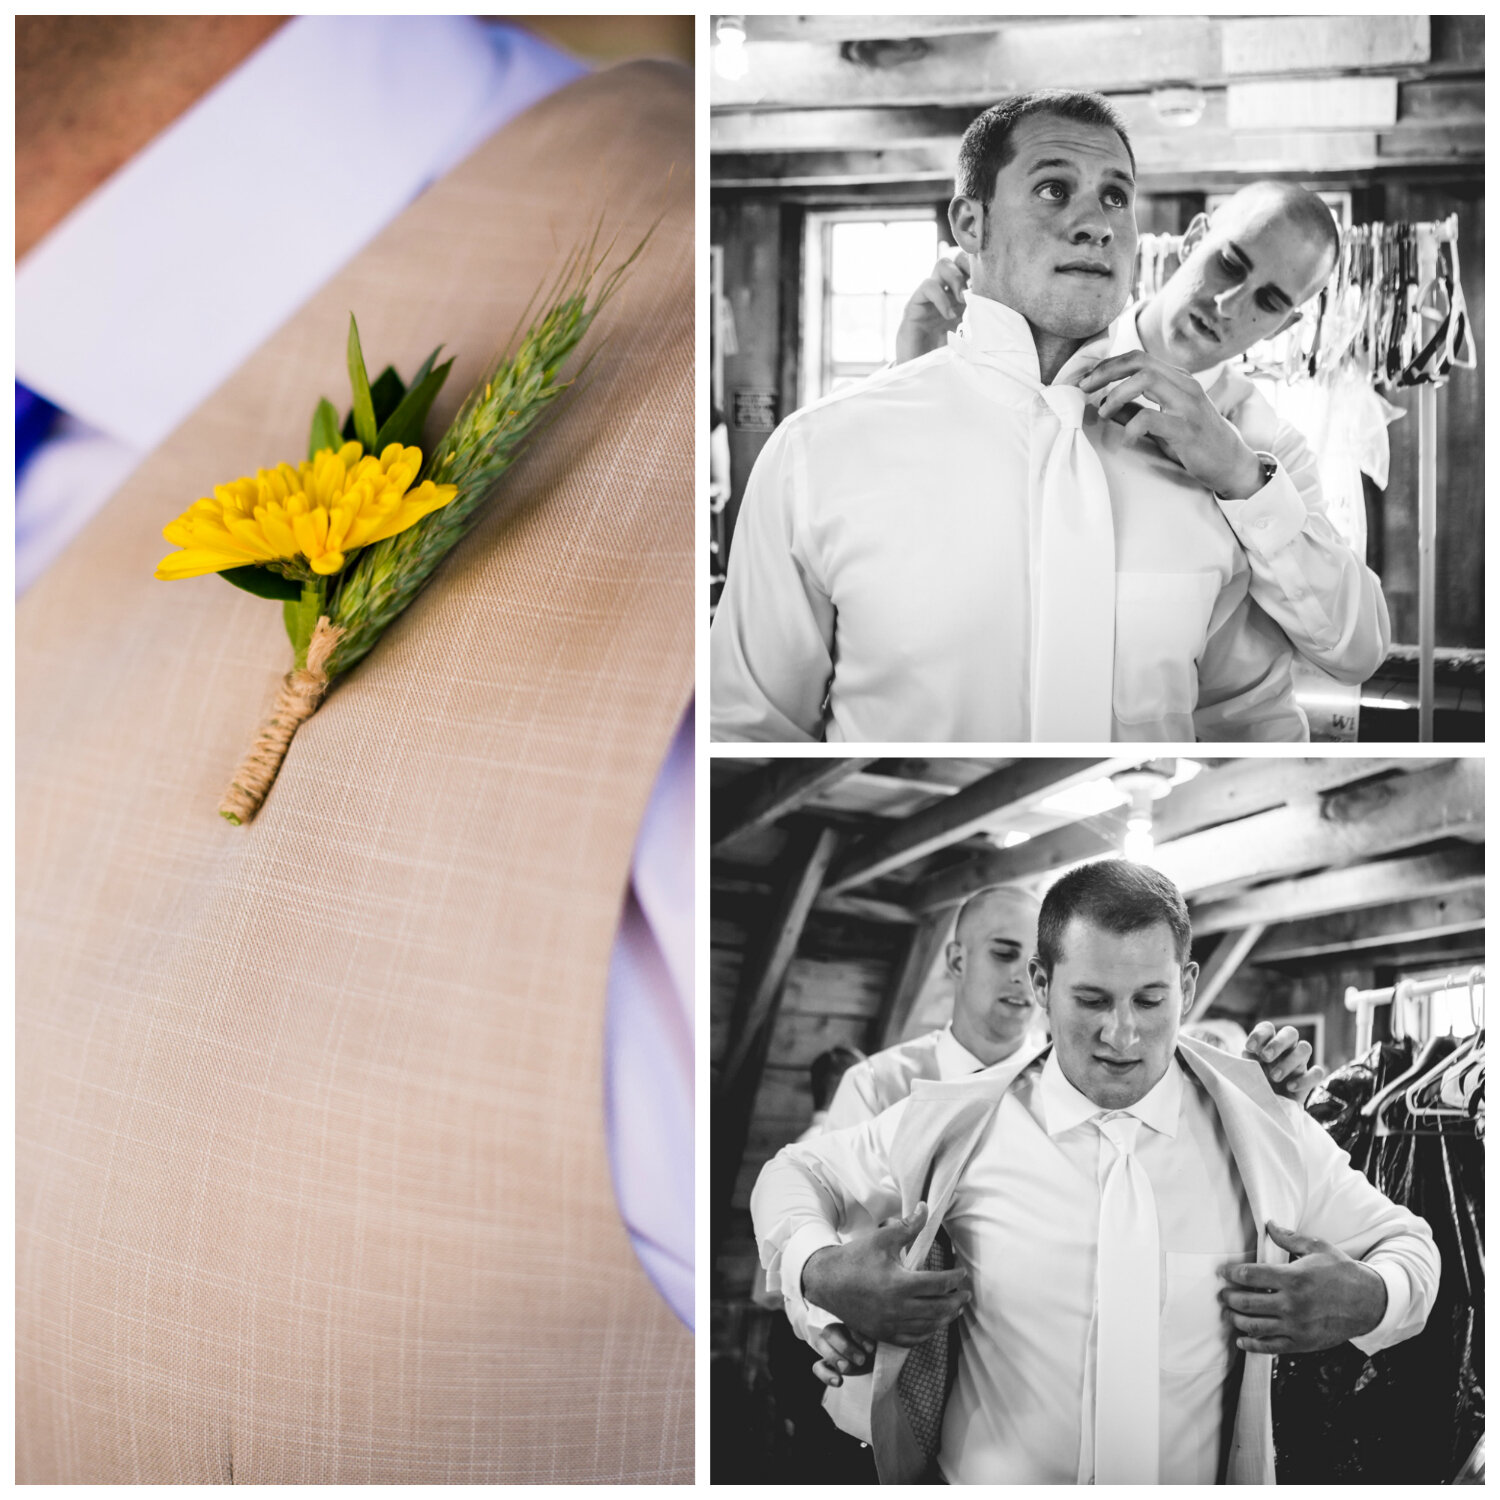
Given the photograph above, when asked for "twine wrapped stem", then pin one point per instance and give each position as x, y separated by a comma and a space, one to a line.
297, 699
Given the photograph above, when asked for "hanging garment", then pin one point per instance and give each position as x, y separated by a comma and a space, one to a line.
1411, 1414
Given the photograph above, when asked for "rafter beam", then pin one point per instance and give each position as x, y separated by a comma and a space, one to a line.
1233, 791
1376, 883
780, 788
997, 58
1357, 823
1391, 926
978, 806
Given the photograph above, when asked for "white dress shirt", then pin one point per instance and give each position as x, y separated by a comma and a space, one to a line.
1024, 1221
138, 304
1302, 571
880, 1081
879, 587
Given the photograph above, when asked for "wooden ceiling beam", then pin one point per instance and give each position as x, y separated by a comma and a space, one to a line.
1373, 884
1357, 823
978, 806
1223, 793
1127, 53
782, 787
1397, 925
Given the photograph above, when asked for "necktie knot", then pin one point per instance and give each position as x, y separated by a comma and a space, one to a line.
1068, 403
1120, 1131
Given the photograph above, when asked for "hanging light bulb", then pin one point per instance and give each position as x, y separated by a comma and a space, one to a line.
1142, 786
1138, 843
730, 60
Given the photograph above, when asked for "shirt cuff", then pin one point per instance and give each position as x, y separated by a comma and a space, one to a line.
1268, 520
1397, 1305
799, 1249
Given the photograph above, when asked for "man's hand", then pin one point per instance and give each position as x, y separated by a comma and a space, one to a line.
1284, 1060
1187, 429
844, 1353
1323, 1299
864, 1284
934, 310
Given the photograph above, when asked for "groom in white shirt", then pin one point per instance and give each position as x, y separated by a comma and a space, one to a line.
960, 549
1122, 1215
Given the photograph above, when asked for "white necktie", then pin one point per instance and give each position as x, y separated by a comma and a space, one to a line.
1128, 1374
1073, 585
1072, 532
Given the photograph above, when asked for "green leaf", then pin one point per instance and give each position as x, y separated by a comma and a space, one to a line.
300, 616
364, 408
325, 429
262, 582
404, 425
385, 397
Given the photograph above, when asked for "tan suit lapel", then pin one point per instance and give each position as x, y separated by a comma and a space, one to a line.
1271, 1170
311, 1149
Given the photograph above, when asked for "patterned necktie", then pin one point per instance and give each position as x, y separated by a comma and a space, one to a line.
927, 1375
1128, 1375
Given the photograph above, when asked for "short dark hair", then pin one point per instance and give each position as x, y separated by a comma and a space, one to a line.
986, 146
827, 1069
1118, 895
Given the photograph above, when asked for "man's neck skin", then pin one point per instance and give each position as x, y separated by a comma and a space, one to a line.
988, 1052
91, 91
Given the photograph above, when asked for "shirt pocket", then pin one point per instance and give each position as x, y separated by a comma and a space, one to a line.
1161, 627
1195, 1327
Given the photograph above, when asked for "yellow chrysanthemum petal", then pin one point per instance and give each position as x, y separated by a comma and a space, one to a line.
194, 563
322, 510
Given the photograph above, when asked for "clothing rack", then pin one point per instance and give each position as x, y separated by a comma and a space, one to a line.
1364, 1003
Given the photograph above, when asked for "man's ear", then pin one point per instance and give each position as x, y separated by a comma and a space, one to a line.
1189, 986
1038, 977
966, 220
1193, 236
953, 956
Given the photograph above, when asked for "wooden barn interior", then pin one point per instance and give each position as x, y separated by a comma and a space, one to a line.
835, 119
834, 883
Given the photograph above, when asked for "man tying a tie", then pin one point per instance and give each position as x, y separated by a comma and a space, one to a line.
960, 548
1134, 1222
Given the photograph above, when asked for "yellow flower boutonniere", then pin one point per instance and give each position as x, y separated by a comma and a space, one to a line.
347, 538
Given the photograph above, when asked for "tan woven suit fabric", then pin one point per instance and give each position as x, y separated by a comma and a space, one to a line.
312, 1175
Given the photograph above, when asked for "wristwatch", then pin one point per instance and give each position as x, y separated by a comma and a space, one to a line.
1268, 467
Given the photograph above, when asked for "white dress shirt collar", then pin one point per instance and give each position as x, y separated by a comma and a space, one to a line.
990, 328
167, 277
954, 1060
1064, 1106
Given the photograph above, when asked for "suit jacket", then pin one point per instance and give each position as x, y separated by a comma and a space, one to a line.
312, 1171
942, 1125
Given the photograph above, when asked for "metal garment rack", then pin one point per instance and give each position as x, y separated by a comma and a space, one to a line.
1445, 230
1364, 1003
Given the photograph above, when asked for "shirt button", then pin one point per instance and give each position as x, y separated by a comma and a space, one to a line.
1261, 524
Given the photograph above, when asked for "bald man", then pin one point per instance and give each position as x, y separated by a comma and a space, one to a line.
1244, 276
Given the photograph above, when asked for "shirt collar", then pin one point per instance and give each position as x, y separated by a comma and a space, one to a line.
991, 331
954, 1060
162, 282
1064, 1107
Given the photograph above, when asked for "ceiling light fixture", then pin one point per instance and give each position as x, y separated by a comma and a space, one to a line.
730, 59
1179, 104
